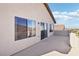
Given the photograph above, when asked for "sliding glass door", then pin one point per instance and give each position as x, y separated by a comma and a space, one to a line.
44, 30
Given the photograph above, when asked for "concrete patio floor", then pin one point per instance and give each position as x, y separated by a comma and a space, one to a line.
74, 41
52, 43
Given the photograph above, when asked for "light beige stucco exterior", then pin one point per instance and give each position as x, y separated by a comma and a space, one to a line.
37, 12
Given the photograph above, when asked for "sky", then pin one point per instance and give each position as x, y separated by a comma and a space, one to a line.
66, 13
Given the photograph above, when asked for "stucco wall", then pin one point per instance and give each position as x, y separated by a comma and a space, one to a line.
59, 27
38, 12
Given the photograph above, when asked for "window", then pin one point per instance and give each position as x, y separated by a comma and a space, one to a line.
51, 27
24, 28
42, 26
44, 30
31, 28
20, 28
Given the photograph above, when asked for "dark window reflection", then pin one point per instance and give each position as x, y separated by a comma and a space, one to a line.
31, 28
51, 27
44, 30
24, 28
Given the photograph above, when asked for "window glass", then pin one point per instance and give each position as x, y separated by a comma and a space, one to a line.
51, 27
31, 28
24, 28
20, 28
42, 26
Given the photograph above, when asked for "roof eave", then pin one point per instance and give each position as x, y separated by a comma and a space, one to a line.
47, 7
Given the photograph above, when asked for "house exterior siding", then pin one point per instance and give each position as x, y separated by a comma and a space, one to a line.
36, 12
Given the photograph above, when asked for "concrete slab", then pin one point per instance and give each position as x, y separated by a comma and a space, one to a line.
52, 43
